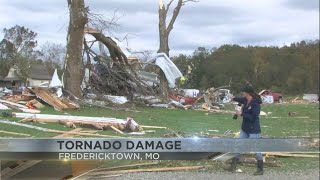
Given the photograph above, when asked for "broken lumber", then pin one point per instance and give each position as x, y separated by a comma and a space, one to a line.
126, 166
291, 155
50, 98
67, 134
4, 107
117, 130
185, 168
153, 127
57, 118
295, 99
14, 133
54, 131
68, 124
13, 104
5, 174
9, 172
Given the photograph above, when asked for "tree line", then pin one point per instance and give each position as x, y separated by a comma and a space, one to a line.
292, 69
19, 49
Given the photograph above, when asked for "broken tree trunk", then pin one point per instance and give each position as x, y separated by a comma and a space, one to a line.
73, 62
164, 32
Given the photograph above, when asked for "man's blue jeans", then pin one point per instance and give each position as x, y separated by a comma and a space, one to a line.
244, 135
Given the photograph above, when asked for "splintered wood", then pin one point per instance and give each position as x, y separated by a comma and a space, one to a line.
99, 123
59, 104
185, 168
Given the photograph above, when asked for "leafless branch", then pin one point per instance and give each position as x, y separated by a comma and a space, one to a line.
185, 1
168, 6
99, 22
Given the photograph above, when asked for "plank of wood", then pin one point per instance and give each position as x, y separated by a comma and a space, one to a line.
14, 133
4, 107
109, 176
154, 127
12, 104
84, 134
7, 173
292, 155
295, 99
67, 134
89, 131
126, 166
148, 170
117, 130
19, 169
54, 131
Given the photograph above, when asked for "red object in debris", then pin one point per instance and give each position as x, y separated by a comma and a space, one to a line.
184, 100
276, 96
30, 106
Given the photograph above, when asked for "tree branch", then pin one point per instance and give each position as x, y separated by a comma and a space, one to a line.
174, 16
168, 6
184, 2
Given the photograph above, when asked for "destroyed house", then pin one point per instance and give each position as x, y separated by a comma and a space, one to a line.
38, 76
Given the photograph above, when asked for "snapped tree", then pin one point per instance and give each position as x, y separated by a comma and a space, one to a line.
121, 73
164, 32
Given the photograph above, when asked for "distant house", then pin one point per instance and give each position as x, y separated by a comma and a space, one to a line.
38, 75
11, 80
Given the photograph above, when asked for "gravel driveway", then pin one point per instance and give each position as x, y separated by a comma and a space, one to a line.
306, 175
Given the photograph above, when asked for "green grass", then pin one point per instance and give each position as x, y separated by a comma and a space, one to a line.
197, 123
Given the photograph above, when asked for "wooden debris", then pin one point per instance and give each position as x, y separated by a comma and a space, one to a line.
7, 173
185, 168
132, 125
109, 176
126, 166
13, 104
291, 155
117, 130
14, 133
54, 131
4, 107
90, 131
154, 127
294, 100
36, 104
50, 98
252, 161
99, 123
68, 124
67, 134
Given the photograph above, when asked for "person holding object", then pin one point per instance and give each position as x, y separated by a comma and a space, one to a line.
250, 127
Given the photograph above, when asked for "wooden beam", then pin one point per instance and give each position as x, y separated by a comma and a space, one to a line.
154, 127
14, 133
291, 155
54, 131
18, 169
117, 130
126, 166
148, 170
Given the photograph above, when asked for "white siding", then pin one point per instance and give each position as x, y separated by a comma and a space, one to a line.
36, 82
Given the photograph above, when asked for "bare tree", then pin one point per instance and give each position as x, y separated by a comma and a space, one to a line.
53, 54
164, 32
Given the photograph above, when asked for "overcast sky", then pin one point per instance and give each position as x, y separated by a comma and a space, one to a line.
208, 23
